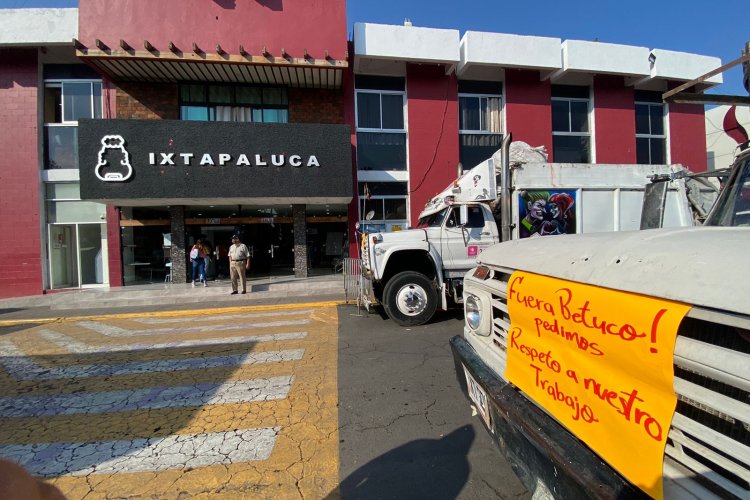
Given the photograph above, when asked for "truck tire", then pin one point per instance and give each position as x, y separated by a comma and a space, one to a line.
410, 298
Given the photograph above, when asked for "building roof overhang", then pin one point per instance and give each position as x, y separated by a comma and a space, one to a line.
126, 64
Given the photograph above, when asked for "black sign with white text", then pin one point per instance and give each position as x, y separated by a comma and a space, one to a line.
130, 161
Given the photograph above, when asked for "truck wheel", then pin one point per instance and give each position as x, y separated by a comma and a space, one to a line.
410, 298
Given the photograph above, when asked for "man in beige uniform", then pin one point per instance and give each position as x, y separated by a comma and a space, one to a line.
239, 262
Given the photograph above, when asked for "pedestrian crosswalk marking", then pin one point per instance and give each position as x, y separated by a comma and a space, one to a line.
179, 401
152, 398
144, 454
21, 367
116, 331
224, 317
77, 347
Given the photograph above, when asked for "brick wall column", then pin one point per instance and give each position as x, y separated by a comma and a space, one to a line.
300, 241
179, 255
114, 246
21, 254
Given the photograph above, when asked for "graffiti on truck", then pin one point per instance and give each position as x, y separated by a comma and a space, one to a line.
545, 213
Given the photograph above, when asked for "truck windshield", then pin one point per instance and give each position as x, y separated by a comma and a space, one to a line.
433, 220
733, 206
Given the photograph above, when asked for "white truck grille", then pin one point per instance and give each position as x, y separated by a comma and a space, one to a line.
708, 446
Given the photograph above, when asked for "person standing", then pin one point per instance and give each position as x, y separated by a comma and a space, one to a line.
239, 262
198, 258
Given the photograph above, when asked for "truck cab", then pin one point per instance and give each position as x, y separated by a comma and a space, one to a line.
412, 272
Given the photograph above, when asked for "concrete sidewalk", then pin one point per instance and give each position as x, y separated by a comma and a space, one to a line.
173, 295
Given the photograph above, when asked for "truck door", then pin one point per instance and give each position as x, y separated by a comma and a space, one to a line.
460, 245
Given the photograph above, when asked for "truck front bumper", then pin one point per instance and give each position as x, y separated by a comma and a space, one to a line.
368, 293
544, 455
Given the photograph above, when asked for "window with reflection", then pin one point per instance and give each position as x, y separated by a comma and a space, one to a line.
234, 103
65, 102
383, 203
650, 132
480, 121
571, 134
381, 132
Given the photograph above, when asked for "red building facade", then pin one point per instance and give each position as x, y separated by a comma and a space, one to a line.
415, 102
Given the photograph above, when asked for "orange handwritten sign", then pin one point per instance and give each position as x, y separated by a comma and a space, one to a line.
600, 361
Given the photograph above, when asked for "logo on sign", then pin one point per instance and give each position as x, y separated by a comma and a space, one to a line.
113, 163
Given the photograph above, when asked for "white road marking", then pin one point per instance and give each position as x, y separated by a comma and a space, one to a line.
22, 367
116, 331
144, 454
223, 317
236, 391
76, 347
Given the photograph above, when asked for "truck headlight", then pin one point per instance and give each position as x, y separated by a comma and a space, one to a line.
473, 312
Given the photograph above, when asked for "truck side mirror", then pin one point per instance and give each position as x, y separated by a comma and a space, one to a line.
463, 215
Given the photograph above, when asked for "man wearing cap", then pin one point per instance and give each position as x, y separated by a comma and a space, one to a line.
239, 262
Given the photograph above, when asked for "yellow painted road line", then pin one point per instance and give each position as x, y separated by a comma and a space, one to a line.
171, 314
304, 457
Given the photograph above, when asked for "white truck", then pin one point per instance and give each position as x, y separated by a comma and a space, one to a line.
521, 345
617, 365
413, 272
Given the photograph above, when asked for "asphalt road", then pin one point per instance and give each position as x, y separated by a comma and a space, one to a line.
276, 401
405, 428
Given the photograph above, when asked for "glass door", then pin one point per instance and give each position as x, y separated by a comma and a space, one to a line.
91, 254
63, 256
78, 255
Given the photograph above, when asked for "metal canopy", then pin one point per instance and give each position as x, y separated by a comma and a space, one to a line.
151, 65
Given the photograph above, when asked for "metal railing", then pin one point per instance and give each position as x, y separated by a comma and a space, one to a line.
352, 274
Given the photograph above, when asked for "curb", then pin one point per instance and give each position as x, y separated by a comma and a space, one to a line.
166, 314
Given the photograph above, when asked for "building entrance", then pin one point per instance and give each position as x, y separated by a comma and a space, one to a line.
268, 233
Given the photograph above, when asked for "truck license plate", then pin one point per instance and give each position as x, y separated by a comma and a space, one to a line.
479, 397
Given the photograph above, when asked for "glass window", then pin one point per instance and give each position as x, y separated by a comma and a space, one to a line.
479, 128
475, 148
249, 95
275, 116
368, 110
571, 140
201, 113
650, 138
733, 205
234, 103
433, 220
560, 116
571, 148
220, 94
469, 113
274, 96
61, 147
386, 200
65, 102
96, 91
381, 151
76, 101
479, 113
395, 208
75, 211
193, 93
381, 140
63, 191
393, 111
579, 116
476, 217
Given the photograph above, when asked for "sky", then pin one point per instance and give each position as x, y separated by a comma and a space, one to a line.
718, 30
